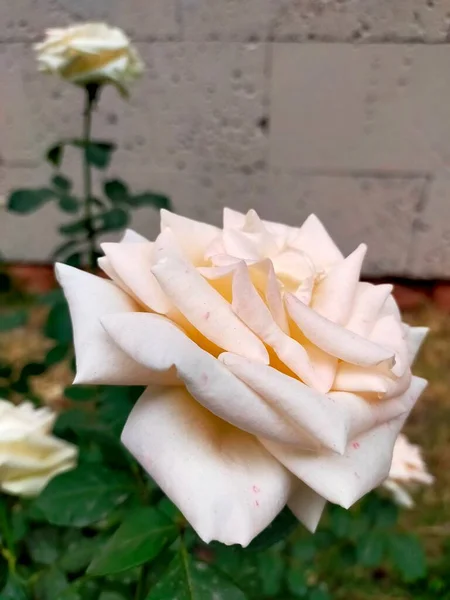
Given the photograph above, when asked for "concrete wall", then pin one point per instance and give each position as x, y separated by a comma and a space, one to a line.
341, 107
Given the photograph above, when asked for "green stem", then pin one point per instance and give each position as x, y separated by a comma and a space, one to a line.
91, 95
8, 547
140, 589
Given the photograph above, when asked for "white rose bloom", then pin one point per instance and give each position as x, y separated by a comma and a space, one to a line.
90, 53
408, 470
274, 375
30, 456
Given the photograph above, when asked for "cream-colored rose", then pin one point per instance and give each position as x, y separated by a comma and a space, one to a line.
90, 53
408, 470
274, 375
30, 456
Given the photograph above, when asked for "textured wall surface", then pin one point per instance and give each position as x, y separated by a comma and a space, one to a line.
341, 107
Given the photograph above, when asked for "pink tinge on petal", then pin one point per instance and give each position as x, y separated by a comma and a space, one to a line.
365, 464
334, 339
369, 300
210, 382
225, 483
99, 360
193, 237
307, 506
133, 262
206, 309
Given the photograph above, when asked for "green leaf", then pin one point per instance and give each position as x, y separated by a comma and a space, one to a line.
74, 227
25, 201
75, 259
99, 154
84, 496
340, 521
116, 190
113, 220
271, 572
304, 549
3, 572
407, 555
150, 199
56, 354
297, 582
280, 528
43, 545
141, 537
81, 392
319, 594
62, 183
14, 590
12, 320
79, 553
187, 579
370, 549
58, 326
55, 155
61, 251
50, 585
69, 204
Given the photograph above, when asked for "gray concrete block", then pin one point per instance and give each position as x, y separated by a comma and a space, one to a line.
377, 211
142, 19
227, 20
430, 250
341, 106
361, 20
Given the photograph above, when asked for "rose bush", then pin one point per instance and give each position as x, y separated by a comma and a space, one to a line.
408, 470
274, 375
91, 53
30, 456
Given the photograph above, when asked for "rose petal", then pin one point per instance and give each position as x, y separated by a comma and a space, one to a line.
314, 239
249, 307
350, 378
388, 331
132, 262
332, 419
223, 481
206, 378
132, 237
369, 299
365, 464
193, 237
333, 297
206, 309
414, 339
334, 339
99, 360
307, 506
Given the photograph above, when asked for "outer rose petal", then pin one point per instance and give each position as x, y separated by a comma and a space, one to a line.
414, 339
365, 465
334, 339
314, 239
228, 487
369, 300
307, 506
332, 419
206, 378
99, 360
132, 263
133, 237
194, 237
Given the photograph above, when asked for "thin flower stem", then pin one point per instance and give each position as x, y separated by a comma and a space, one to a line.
91, 94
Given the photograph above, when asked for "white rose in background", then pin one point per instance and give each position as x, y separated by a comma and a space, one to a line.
274, 375
30, 456
91, 53
408, 470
